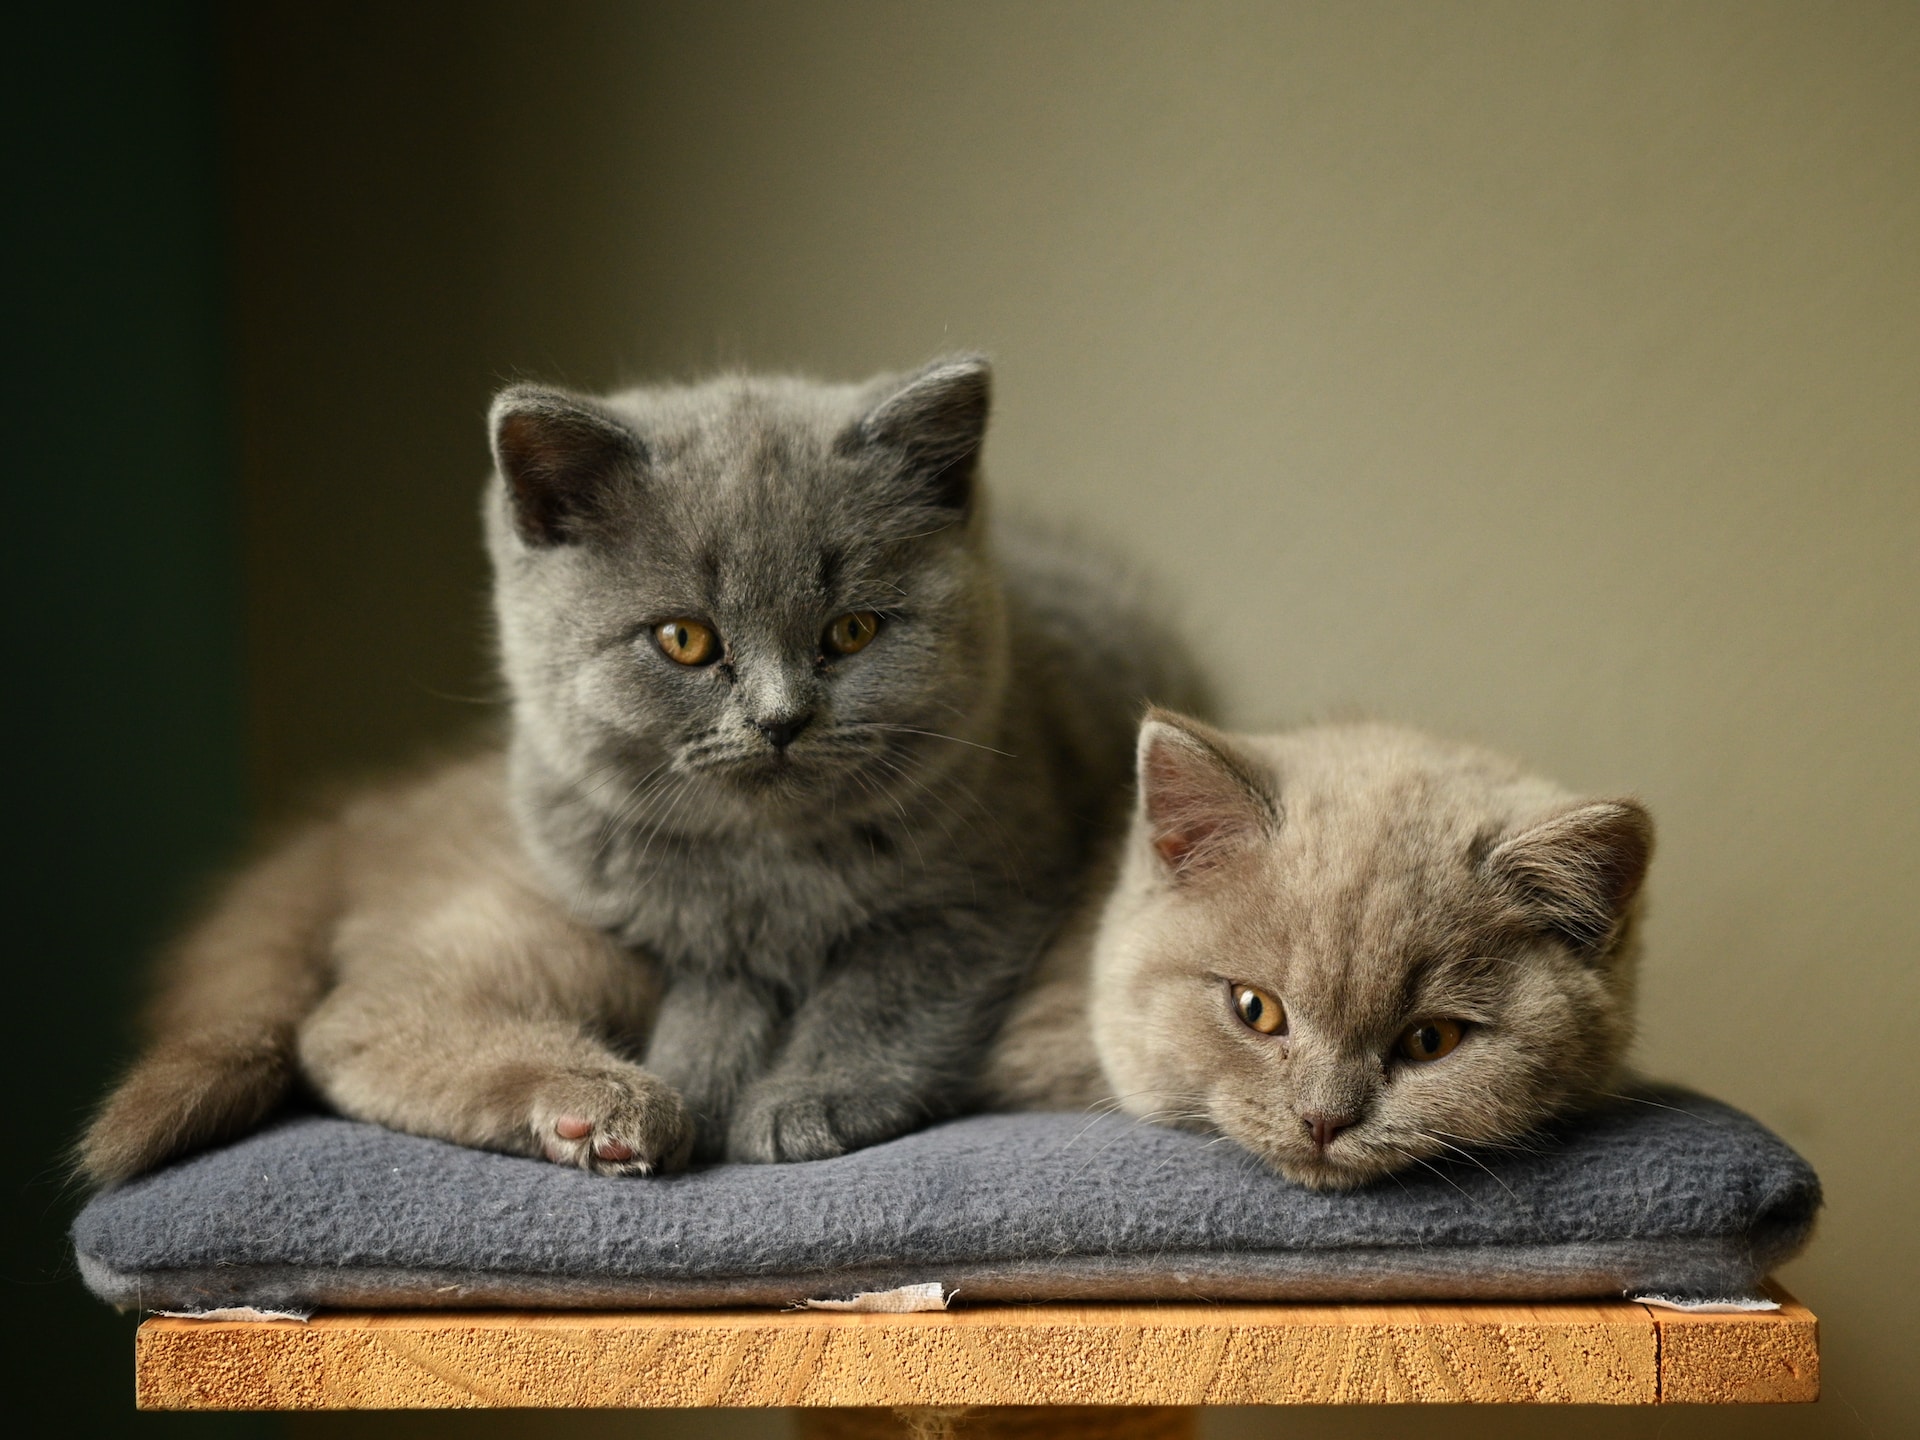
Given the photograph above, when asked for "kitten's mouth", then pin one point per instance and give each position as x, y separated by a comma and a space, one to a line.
807, 774
828, 776
774, 770
1347, 1164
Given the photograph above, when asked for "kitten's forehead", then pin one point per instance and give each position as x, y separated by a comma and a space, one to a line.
753, 502
1378, 859
740, 449
735, 408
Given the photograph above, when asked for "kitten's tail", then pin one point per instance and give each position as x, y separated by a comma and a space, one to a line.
223, 1026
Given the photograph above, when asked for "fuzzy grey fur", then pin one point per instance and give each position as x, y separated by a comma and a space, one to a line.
800, 887
1365, 877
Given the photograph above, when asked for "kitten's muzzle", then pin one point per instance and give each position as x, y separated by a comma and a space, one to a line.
780, 730
1324, 1127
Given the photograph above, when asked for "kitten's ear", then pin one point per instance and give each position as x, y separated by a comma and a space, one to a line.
934, 421
1576, 873
561, 457
1201, 803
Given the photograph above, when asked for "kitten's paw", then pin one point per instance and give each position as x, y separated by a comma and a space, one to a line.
783, 1120
612, 1122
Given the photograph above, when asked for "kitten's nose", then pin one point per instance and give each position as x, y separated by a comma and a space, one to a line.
780, 731
1324, 1127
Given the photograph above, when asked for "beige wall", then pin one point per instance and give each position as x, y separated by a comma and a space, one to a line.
1543, 373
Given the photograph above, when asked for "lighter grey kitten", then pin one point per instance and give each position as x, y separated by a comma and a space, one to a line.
803, 772
1352, 949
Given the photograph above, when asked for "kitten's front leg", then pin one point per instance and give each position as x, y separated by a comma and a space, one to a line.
437, 1065
713, 1036
891, 1039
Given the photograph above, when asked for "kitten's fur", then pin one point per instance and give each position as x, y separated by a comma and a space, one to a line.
1368, 877
801, 888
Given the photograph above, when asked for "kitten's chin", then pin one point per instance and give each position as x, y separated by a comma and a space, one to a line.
1322, 1175
783, 788
796, 787
1330, 1172
773, 776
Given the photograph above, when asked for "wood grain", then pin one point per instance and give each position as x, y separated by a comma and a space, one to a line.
1117, 1355
1771, 1359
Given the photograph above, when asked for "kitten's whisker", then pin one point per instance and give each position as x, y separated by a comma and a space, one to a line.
906, 825
1476, 1160
616, 817
894, 768
923, 534
1168, 1094
686, 787
623, 812
1091, 1159
610, 770
1427, 1165
437, 694
1642, 1100
936, 735
637, 807
921, 788
1113, 1104
1206, 1145
1158, 1117
1009, 851
1517, 1145
1081, 1133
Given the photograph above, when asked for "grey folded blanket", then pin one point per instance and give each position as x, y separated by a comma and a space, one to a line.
1667, 1193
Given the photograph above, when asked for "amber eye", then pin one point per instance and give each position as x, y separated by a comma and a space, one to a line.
1259, 1010
687, 642
852, 632
1429, 1039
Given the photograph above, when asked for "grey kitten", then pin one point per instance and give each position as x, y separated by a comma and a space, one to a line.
803, 772
1351, 949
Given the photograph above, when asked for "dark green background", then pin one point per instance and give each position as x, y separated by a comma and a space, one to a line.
124, 710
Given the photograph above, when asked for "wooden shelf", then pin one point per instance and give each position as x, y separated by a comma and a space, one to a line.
1613, 1353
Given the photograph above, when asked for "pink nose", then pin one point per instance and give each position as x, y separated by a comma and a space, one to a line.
1324, 1127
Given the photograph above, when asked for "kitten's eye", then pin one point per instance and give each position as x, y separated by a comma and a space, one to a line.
1259, 1010
852, 632
687, 642
1429, 1039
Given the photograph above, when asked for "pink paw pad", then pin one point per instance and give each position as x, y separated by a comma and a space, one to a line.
572, 1127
